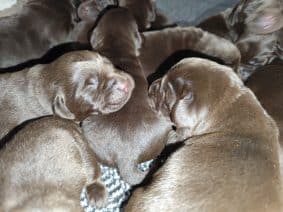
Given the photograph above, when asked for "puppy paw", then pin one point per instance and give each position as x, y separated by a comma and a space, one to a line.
97, 195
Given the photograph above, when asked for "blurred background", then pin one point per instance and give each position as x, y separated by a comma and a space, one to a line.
193, 11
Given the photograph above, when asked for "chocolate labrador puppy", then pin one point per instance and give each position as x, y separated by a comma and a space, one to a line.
255, 26
41, 25
75, 86
136, 132
229, 161
45, 166
38, 26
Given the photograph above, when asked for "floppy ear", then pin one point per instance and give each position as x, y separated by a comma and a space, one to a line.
60, 108
162, 97
156, 96
266, 22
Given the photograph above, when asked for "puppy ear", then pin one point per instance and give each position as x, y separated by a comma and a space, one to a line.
162, 96
60, 108
156, 96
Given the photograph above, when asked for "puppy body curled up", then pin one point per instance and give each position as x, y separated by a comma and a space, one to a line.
45, 166
136, 132
229, 161
75, 86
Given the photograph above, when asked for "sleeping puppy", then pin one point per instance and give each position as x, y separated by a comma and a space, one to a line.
34, 29
45, 166
135, 133
158, 45
267, 85
75, 86
229, 161
41, 25
255, 27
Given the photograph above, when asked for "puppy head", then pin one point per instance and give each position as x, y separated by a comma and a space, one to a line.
88, 84
191, 90
118, 30
144, 11
257, 17
89, 9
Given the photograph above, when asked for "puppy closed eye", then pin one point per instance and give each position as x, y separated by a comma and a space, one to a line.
92, 82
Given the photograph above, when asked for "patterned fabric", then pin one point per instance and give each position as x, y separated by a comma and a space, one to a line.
118, 190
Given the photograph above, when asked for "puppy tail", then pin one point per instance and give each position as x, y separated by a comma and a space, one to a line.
97, 194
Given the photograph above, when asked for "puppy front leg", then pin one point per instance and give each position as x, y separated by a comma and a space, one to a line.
130, 172
95, 190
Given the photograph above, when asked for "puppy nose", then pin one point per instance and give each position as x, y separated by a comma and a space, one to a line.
122, 85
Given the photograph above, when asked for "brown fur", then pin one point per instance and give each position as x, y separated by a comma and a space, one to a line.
74, 86
267, 85
255, 26
229, 161
146, 14
88, 12
45, 166
158, 45
35, 29
135, 133
39, 25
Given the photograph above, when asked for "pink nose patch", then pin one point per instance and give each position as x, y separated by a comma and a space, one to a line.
124, 86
